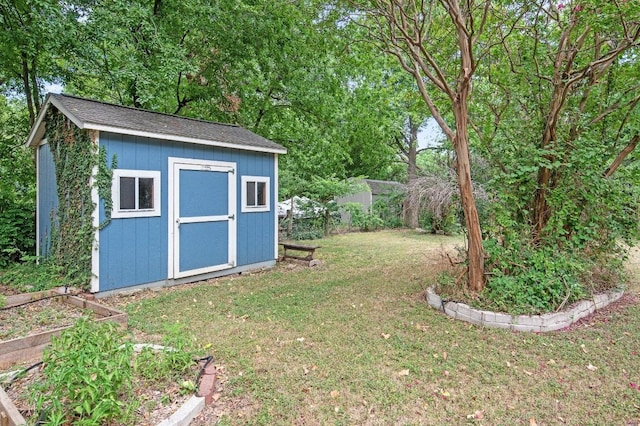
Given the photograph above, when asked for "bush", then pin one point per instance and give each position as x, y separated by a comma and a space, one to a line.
365, 221
17, 184
17, 228
446, 225
527, 280
304, 228
389, 210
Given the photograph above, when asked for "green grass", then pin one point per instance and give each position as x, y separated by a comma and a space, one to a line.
353, 342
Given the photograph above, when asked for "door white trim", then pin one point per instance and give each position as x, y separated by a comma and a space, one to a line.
177, 164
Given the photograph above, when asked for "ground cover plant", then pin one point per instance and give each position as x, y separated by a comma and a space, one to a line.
353, 342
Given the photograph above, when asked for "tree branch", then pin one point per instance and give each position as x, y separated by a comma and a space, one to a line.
621, 156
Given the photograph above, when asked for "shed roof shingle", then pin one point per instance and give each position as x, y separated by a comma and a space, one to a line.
91, 114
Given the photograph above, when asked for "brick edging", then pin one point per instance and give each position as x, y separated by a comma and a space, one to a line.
535, 323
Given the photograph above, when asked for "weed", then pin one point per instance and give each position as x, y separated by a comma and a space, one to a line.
167, 364
31, 275
86, 374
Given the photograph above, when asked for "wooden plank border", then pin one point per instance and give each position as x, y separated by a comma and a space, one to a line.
9, 414
30, 347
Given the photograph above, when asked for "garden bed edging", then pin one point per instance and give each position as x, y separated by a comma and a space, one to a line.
31, 346
532, 323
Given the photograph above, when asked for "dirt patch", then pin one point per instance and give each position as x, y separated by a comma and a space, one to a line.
37, 317
8, 290
603, 315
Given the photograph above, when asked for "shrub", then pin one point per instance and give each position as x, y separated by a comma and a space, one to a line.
17, 227
389, 210
365, 220
17, 185
304, 228
534, 280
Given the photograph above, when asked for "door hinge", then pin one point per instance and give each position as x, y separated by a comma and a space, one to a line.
232, 171
232, 216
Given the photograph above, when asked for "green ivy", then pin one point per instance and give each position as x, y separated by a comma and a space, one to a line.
75, 156
103, 183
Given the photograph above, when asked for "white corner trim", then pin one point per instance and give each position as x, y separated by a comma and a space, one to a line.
276, 228
95, 216
38, 202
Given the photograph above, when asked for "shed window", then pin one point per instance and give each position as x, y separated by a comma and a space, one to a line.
136, 193
255, 194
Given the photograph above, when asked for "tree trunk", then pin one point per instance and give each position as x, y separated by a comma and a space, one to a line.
412, 211
475, 251
27, 90
327, 222
290, 221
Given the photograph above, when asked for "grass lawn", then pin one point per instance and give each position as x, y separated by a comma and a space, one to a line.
352, 342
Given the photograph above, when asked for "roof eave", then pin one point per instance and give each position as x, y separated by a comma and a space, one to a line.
170, 137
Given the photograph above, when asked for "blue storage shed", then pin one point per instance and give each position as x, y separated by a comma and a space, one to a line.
190, 199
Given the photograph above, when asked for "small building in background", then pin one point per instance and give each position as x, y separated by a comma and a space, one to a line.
375, 190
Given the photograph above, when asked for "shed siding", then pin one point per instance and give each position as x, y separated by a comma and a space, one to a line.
47, 197
134, 251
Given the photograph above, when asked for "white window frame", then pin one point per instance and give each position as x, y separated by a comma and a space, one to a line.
256, 179
116, 212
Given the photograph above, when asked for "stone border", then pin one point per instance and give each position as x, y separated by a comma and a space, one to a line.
534, 323
186, 413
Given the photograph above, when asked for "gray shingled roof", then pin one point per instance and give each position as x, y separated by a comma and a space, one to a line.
92, 114
384, 187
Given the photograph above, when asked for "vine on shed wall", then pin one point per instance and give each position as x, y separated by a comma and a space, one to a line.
75, 156
103, 182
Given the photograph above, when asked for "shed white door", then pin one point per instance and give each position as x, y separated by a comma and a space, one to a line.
202, 216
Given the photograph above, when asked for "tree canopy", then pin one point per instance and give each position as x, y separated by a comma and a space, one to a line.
544, 93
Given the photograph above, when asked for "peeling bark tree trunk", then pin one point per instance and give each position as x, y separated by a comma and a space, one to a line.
475, 251
403, 30
412, 209
472, 220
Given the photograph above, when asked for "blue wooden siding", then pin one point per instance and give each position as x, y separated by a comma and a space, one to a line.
47, 197
135, 250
